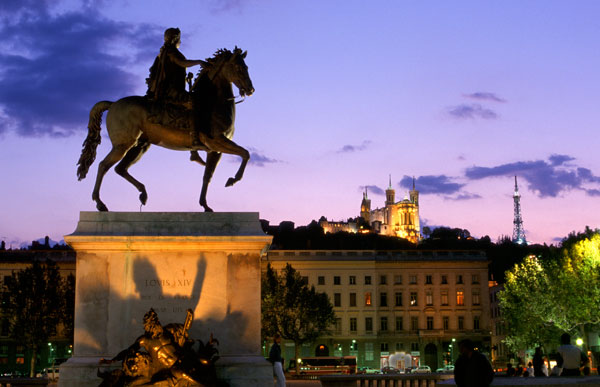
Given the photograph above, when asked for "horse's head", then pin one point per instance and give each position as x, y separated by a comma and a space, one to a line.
236, 71
231, 66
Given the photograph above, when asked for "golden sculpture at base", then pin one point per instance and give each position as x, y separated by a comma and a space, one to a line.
165, 357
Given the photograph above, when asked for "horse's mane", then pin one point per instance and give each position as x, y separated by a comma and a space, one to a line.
217, 59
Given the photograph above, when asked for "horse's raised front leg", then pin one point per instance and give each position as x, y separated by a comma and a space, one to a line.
115, 154
131, 157
225, 145
212, 159
195, 156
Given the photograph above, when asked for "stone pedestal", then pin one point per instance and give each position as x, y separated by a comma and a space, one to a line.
128, 263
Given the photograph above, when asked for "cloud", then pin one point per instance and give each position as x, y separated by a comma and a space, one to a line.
547, 178
472, 111
430, 184
372, 189
54, 67
559, 159
261, 160
464, 196
484, 96
439, 185
593, 192
226, 6
257, 158
354, 148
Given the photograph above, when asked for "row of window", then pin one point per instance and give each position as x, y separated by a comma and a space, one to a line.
412, 279
414, 324
413, 300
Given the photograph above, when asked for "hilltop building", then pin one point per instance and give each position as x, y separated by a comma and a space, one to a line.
399, 219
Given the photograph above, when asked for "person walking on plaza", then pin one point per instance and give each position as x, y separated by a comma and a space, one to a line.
277, 361
472, 369
571, 359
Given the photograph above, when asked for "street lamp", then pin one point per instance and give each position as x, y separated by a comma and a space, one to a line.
579, 341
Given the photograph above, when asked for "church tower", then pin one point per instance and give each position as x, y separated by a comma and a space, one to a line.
365, 208
390, 194
414, 194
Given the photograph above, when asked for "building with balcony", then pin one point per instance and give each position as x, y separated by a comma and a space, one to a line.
417, 304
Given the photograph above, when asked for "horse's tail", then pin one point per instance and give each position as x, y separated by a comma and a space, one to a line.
88, 153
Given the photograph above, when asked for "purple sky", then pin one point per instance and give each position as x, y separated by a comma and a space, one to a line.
461, 95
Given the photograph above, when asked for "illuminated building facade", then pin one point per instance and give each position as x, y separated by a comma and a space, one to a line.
399, 219
406, 307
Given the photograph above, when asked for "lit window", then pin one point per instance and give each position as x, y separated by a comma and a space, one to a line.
444, 295
368, 299
460, 298
413, 299
429, 298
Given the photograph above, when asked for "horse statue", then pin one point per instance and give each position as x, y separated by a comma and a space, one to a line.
132, 126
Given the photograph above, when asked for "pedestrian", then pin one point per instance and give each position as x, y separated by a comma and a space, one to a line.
538, 361
510, 371
277, 361
472, 368
530, 369
570, 358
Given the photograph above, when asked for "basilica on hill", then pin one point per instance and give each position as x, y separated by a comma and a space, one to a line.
399, 219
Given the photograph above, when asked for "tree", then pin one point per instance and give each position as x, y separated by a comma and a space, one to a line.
560, 293
576, 285
523, 307
35, 301
293, 309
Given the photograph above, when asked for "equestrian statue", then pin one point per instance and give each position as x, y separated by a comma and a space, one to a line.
169, 116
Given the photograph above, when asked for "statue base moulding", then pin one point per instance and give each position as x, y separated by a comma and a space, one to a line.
130, 262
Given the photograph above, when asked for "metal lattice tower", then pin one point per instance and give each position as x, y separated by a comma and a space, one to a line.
518, 231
